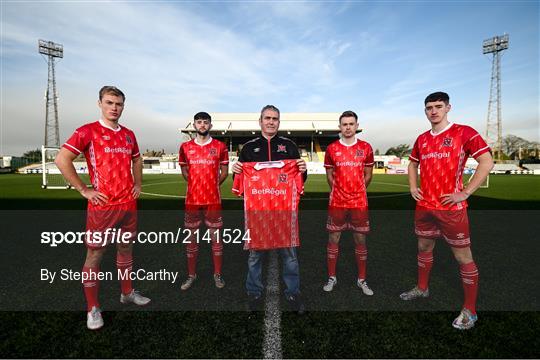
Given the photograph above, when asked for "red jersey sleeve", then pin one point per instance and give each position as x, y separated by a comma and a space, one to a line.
415, 154
238, 184
328, 161
473, 144
78, 142
370, 161
136, 152
224, 158
182, 155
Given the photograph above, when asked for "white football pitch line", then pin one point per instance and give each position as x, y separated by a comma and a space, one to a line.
272, 312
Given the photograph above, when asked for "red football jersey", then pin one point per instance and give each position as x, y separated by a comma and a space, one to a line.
109, 153
203, 161
442, 158
272, 192
348, 162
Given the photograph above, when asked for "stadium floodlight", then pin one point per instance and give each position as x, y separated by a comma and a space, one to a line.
50, 48
496, 45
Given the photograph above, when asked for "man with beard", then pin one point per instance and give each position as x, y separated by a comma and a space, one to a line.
204, 162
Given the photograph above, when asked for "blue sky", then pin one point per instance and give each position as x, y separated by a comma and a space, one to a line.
174, 59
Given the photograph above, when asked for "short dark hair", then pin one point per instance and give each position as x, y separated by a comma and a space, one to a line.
437, 96
348, 113
111, 90
202, 116
270, 107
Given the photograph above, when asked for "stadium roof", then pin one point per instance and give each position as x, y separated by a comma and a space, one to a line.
242, 124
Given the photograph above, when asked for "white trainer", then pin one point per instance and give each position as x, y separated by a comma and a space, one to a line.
465, 320
414, 293
332, 281
189, 282
94, 321
218, 280
362, 284
134, 297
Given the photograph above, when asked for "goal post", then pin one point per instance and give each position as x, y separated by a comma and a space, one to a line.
51, 176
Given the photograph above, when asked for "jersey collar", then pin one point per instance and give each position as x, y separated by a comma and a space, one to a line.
347, 145
443, 130
102, 123
205, 143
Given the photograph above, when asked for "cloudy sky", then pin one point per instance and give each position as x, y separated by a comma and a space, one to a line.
173, 59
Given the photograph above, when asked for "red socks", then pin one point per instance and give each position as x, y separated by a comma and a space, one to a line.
217, 256
91, 286
124, 264
425, 263
332, 252
469, 277
192, 251
360, 253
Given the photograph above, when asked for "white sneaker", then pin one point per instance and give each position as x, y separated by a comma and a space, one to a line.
362, 284
94, 321
465, 320
189, 282
414, 293
218, 280
135, 298
332, 281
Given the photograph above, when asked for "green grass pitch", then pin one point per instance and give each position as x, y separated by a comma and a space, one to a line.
342, 324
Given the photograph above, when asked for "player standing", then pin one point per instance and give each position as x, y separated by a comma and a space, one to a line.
441, 208
349, 169
205, 163
115, 167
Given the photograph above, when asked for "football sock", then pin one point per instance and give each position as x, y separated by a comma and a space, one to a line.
332, 252
124, 264
217, 256
425, 263
192, 251
360, 253
469, 277
91, 286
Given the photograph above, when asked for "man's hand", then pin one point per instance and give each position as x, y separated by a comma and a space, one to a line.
416, 193
136, 191
301, 165
95, 197
237, 167
454, 198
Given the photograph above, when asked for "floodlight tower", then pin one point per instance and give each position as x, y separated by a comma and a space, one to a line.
496, 45
53, 52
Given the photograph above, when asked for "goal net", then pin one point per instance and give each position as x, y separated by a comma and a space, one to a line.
51, 176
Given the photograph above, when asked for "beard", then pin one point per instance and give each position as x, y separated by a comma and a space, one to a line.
203, 133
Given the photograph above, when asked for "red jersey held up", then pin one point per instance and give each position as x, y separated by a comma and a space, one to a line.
442, 159
271, 192
348, 162
109, 153
203, 161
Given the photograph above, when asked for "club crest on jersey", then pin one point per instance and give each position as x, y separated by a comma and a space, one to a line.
106, 137
359, 153
281, 148
128, 139
256, 150
213, 151
447, 142
283, 178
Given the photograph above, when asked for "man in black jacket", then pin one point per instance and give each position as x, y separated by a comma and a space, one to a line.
270, 147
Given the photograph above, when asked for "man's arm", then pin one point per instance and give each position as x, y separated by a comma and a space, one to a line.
485, 164
223, 173
416, 192
368, 175
330, 176
136, 169
185, 171
64, 162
